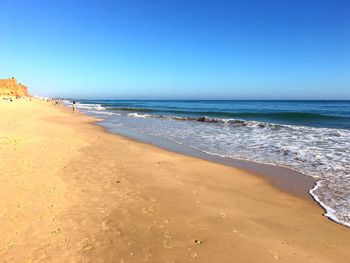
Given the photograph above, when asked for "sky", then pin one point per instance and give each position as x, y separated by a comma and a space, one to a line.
178, 49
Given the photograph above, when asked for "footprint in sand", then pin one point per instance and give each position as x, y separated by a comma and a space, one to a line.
167, 221
149, 252
10, 244
274, 254
166, 241
167, 234
148, 229
166, 244
86, 244
147, 210
104, 226
223, 215
237, 232
195, 255
192, 253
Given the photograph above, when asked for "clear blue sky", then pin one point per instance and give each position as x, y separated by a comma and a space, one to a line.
178, 49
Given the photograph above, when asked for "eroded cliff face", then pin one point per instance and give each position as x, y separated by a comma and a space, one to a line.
10, 87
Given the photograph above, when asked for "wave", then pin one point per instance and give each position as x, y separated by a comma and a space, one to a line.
258, 119
210, 120
132, 109
294, 116
89, 106
239, 122
136, 115
290, 115
329, 211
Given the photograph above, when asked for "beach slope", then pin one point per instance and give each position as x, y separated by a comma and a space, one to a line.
71, 192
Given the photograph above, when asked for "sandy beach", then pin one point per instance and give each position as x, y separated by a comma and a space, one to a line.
72, 192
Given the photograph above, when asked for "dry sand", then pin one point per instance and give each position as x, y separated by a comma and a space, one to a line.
71, 192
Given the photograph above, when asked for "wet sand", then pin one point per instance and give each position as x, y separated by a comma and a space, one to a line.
281, 177
72, 192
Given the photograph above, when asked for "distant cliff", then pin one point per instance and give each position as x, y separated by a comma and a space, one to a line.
10, 87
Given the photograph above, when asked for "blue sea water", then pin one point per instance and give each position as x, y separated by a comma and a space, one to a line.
327, 114
311, 137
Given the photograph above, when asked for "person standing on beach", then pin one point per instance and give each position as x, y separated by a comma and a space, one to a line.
73, 106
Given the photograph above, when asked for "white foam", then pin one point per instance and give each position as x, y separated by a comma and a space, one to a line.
104, 112
136, 115
330, 212
90, 106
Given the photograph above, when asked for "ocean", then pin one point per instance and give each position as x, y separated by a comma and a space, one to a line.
310, 137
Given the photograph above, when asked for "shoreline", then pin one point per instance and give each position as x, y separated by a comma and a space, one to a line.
280, 177
73, 191
314, 148
283, 178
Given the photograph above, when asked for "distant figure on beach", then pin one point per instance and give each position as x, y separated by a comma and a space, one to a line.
74, 106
